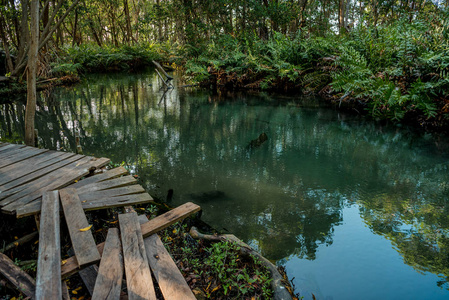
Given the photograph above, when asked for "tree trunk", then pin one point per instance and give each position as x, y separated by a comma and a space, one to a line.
3, 37
31, 74
129, 33
341, 16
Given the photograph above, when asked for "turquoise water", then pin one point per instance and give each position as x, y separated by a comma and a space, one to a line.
353, 209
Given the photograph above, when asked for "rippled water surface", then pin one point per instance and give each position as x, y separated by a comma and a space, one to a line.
352, 209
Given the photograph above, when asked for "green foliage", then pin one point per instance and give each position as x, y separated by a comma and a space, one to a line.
92, 58
223, 264
218, 269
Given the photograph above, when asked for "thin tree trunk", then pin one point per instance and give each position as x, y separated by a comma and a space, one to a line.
341, 16
129, 32
24, 33
31, 74
6, 46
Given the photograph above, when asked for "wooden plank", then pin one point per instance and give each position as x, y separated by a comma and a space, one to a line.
89, 276
66, 177
138, 275
110, 273
82, 241
102, 203
108, 184
21, 280
13, 150
48, 279
169, 218
13, 186
152, 226
16, 171
65, 291
170, 280
42, 181
110, 174
21, 157
121, 191
10, 147
118, 201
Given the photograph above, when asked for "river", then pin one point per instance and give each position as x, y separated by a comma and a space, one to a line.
354, 209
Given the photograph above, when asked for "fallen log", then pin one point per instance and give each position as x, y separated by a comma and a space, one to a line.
21, 280
22, 240
280, 292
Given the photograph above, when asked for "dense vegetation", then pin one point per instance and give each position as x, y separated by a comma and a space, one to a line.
389, 58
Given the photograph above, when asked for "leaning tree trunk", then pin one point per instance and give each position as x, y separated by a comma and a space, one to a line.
31, 74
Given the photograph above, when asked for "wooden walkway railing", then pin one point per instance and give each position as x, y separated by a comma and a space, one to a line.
37, 181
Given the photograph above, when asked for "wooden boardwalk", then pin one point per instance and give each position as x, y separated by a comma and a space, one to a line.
50, 183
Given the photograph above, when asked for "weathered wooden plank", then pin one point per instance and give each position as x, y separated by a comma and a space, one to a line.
65, 291
21, 280
138, 275
170, 280
110, 174
10, 147
110, 273
102, 203
118, 201
43, 181
169, 218
121, 191
48, 282
21, 156
8, 153
108, 184
82, 240
18, 184
31, 165
152, 226
66, 176
89, 276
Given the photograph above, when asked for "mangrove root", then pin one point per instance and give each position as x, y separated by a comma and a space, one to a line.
280, 292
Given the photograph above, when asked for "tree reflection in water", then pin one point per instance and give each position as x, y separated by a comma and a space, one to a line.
286, 196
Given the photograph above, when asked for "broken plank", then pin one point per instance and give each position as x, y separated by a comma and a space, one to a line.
110, 174
118, 201
102, 203
65, 177
108, 184
137, 271
121, 191
21, 280
169, 218
157, 224
48, 282
171, 282
82, 239
89, 276
21, 156
110, 274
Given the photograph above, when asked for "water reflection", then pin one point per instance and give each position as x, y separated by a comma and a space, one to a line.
285, 197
